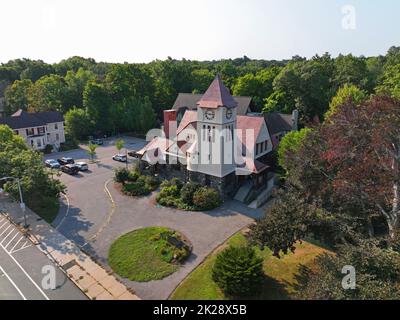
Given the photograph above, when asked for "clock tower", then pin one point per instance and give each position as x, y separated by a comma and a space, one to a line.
216, 127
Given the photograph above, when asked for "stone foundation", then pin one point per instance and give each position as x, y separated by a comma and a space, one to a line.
226, 186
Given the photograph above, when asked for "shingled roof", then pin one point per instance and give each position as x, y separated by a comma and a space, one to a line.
278, 122
22, 119
189, 101
217, 95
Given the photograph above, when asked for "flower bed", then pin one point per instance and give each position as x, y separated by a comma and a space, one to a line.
134, 184
149, 254
190, 196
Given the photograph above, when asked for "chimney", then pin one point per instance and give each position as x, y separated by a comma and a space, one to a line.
170, 125
295, 120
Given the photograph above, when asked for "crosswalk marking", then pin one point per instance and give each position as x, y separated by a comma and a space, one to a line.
15, 235
5, 230
11, 239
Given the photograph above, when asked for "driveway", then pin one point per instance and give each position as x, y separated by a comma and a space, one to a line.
95, 214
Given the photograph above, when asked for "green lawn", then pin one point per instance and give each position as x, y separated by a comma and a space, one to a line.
142, 255
46, 208
279, 281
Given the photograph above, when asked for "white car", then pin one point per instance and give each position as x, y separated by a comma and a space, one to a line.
83, 166
120, 158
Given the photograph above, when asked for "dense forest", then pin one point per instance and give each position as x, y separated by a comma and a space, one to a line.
114, 98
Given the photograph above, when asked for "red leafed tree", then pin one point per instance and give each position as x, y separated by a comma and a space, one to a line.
362, 158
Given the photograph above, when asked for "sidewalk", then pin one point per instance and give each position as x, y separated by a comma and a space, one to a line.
91, 278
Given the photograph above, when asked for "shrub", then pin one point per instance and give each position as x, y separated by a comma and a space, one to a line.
206, 198
135, 189
188, 191
173, 182
133, 175
238, 271
171, 191
151, 182
121, 175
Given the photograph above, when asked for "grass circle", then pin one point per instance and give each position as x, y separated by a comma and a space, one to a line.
143, 255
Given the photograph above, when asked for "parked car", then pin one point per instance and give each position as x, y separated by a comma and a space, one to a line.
83, 166
120, 158
71, 169
132, 154
52, 164
65, 160
98, 142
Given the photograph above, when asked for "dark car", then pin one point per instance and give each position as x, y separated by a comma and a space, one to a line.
70, 169
98, 142
133, 154
65, 160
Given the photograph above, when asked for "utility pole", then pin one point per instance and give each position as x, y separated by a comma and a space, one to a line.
21, 199
22, 204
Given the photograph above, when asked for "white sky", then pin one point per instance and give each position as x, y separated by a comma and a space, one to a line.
140, 31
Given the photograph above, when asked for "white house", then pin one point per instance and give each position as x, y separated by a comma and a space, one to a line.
38, 129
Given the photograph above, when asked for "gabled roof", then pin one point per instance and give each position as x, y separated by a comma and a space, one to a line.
50, 116
278, 122
249, 122
188, 118
217, 95
22, 119
158, 143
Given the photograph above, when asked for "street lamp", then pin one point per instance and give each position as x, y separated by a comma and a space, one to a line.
22, 204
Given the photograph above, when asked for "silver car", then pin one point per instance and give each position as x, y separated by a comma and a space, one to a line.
52, 164
83, 166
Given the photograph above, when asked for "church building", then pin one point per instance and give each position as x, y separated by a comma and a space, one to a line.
220, 143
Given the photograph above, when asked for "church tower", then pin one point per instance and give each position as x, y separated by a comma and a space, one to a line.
216, 127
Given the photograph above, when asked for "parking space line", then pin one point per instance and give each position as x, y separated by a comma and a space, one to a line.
12, 249
22, 248
26, 273
11, 240
4, 239
13, 283
5, 230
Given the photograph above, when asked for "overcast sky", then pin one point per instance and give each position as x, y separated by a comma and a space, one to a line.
141, 31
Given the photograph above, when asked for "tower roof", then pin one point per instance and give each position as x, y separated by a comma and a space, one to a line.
217, 95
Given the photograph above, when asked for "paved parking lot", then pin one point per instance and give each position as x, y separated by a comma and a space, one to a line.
21, 266
94, 214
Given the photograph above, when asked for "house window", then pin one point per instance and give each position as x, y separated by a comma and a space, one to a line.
41, 130
57, 137
16, 132
30, 132
257, 149
56, 126
39, 143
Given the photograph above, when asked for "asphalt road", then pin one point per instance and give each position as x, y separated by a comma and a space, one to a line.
23, 267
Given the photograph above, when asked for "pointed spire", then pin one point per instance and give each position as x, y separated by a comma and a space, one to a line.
217, 95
